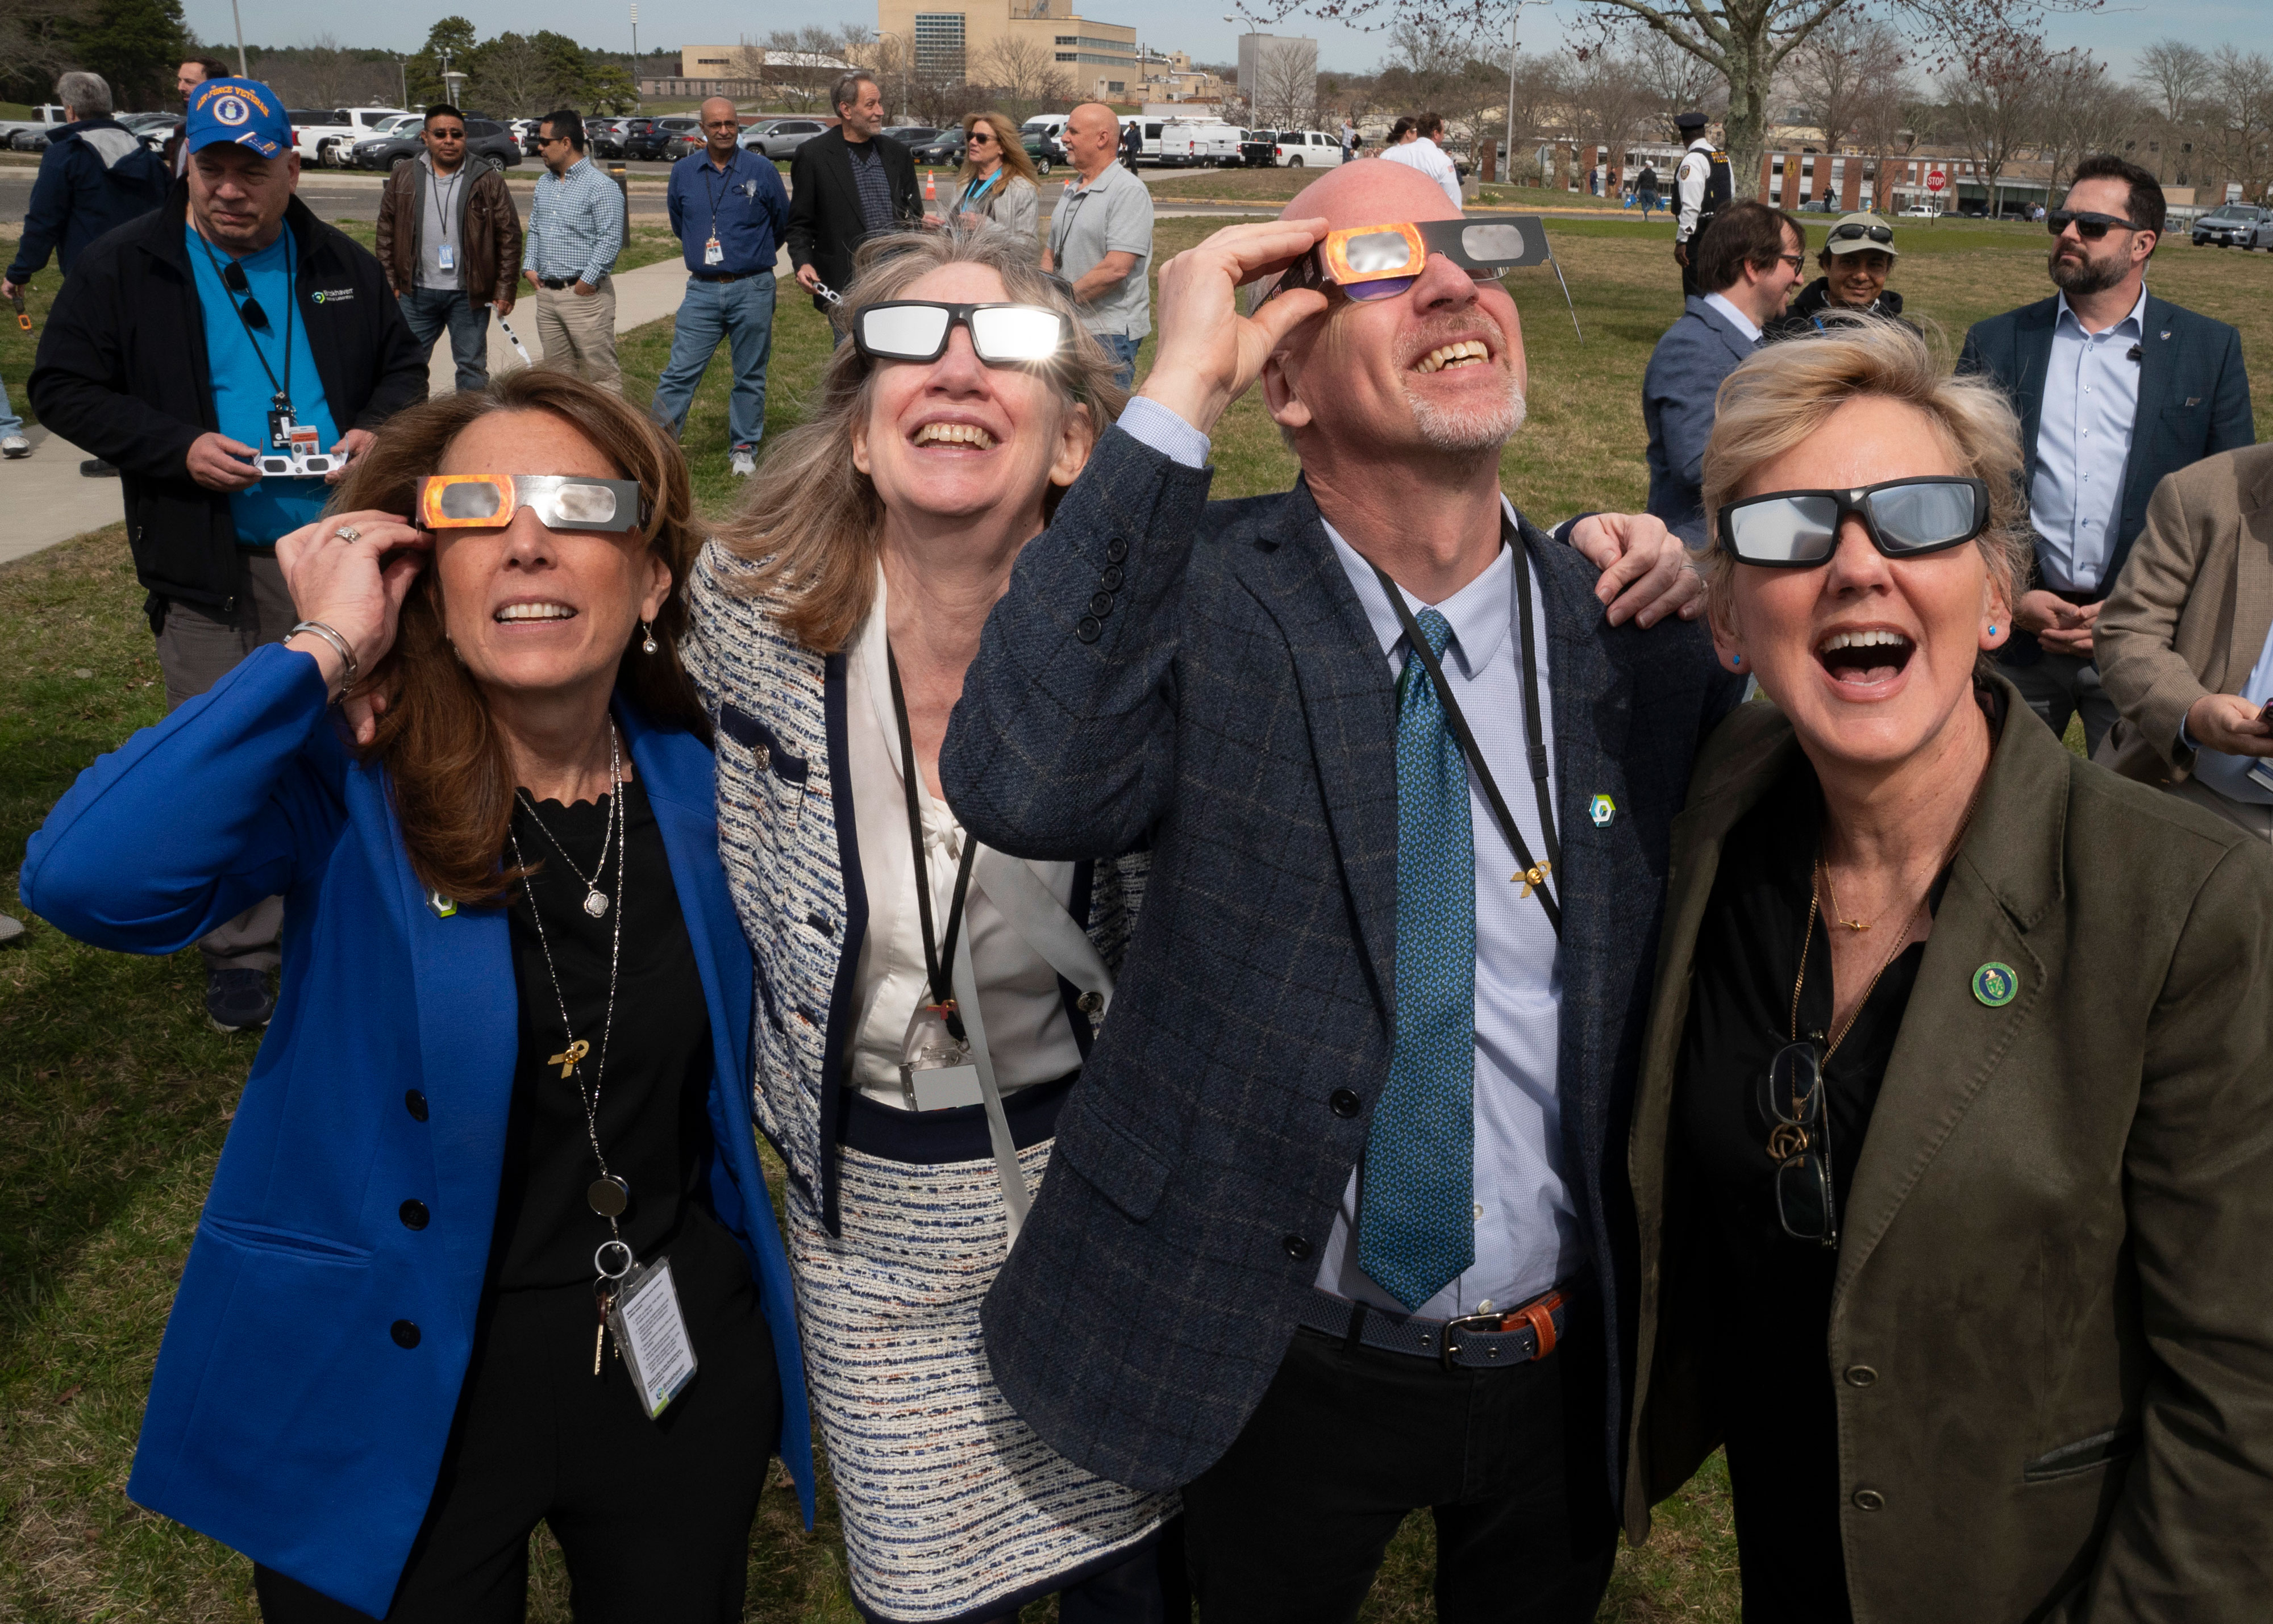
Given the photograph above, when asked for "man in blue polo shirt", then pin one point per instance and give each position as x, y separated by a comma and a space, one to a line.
728, 210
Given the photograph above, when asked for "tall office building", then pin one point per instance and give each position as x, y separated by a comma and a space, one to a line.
1096, 59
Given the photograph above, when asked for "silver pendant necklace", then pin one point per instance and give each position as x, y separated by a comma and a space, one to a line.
595, 901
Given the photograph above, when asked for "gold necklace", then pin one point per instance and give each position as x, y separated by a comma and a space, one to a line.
1823, 864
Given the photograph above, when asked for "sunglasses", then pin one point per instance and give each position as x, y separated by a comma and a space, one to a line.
1854, 231
232, 277
1904, 519
2089, 226
1380, 262
560, 501
917, 330
1799, 1144
979, 137
445, 133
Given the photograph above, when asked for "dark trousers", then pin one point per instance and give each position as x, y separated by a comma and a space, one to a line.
653, 1516
1688, 287
428, 311
1291, 1524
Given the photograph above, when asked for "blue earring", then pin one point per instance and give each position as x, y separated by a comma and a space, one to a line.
1993, 630
1736, 660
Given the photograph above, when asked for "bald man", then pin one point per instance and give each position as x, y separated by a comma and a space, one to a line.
1332, 1227
1101, 236
729, 211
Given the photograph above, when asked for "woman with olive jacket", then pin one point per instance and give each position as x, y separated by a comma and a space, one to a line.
1953, 1142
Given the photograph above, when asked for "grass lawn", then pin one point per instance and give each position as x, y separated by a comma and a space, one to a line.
115, 1097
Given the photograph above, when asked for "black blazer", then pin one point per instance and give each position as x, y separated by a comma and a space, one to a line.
825, 223
2193, 402
1202, 677
122, 373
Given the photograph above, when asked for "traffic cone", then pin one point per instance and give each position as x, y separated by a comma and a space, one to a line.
931, 186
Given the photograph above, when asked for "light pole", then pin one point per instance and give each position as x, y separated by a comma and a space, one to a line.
237, 18
1514, 44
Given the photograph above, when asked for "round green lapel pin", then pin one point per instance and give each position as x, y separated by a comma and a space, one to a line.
1995, 985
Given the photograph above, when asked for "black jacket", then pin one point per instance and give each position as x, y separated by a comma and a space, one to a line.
122, 374
825, 223
1807, 311
95, 174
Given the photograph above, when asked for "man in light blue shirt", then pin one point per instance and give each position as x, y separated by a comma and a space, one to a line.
576, 231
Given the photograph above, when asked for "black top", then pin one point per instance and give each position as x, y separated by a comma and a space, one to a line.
1773, 1374
654, 1117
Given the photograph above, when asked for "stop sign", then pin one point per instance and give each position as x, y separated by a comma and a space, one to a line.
1936, 180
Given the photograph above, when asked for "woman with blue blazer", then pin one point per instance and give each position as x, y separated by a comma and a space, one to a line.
489, 1243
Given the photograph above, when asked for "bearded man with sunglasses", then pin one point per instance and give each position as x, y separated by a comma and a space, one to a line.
2115, 390
184, 347
1334, 1228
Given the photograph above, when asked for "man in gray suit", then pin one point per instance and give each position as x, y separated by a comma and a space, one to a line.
1751, 256
1334, 1222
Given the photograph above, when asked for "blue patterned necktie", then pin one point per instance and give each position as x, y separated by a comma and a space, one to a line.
1414, 1229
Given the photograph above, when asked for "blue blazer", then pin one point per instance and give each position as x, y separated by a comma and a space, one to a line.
2193, 402
1679, 393
1202, 676
317, 1348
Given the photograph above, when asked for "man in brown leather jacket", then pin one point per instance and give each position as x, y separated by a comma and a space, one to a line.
450, 239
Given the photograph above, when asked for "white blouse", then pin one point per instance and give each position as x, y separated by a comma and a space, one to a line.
1020, 1007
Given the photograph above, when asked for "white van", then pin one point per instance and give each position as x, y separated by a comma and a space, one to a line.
1186, 142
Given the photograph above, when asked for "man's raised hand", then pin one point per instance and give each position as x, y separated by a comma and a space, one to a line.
1209, 353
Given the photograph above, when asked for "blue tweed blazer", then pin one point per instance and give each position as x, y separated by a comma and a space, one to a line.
1202, 676
1679, 393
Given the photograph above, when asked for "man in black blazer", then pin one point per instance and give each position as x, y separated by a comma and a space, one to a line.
846, 184
2115, 388
1351, 955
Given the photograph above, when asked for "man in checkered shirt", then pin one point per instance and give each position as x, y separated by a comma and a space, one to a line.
576, 231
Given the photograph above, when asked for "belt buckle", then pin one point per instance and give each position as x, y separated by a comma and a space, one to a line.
1538, 1314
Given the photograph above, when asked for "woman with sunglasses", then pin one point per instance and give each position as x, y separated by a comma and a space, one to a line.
1855, 259
1953, 1145
488, 1244
999, 182
924, 1004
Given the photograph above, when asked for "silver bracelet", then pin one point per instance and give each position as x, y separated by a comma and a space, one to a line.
346, 654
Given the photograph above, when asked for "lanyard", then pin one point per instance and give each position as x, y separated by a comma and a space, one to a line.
283, 396
939, 959
732, 164
976, 190
442, 204
1063, 218
1533, 874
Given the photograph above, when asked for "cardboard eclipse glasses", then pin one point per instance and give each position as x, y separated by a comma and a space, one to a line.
560, 501
1380, 262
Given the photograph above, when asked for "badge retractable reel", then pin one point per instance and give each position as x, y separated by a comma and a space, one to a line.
296, 450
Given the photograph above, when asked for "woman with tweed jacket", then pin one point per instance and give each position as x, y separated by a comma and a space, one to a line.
923, 1004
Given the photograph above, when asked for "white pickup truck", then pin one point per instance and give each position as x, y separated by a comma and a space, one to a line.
326, 136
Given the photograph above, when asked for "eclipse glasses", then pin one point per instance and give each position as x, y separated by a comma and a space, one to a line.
1904, 519
560, 501
918, 329
1380, 262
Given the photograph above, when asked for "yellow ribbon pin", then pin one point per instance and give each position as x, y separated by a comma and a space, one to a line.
568, 1058
1531, 878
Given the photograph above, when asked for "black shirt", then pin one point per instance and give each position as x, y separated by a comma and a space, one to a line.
653, 1120
1773, 1373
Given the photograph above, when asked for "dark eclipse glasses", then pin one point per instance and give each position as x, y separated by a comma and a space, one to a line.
2089, 226
1904, 519
918, 329
1380, 262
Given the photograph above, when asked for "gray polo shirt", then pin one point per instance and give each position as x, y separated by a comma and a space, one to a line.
1112, 214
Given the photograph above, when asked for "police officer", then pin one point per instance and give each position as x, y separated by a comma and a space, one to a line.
1702, 187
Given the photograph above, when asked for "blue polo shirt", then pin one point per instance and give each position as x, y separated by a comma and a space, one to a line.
745, 204
242, 391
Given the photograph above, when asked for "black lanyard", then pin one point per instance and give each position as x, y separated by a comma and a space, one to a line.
732, 164
442, 209
939, 961
1532, 872
282, 397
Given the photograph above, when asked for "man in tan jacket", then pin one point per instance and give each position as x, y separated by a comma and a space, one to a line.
450, 239
2185, 642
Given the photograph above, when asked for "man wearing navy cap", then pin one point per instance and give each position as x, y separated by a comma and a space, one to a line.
184, 346
1702, 187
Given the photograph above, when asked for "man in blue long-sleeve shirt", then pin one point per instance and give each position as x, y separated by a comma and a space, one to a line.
728, 210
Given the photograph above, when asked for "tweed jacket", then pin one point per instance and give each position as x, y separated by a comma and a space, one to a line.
1204, 678
2190, 614
2193, 402
1679, 393
788, 842
2051, 1328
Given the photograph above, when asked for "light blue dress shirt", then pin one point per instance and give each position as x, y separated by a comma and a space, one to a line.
1742, 323
2083, 439
2227, 774
1527, 1225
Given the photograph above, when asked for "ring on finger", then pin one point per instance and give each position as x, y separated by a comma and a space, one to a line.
347, 532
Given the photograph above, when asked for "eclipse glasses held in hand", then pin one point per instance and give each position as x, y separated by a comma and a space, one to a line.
918, 329
560, 501
1380, 262
1904, 519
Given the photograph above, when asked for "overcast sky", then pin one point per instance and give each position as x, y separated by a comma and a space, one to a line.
1195, 25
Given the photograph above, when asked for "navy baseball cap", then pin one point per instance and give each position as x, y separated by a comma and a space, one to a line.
243, 111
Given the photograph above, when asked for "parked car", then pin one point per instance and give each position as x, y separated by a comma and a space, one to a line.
485, 138
152, 129
681, 135
2231, 224
327, 136
1819, 206
30, 138
943, 150
604, 137
1258, 149
914, 135
642, 141
1921, 211
782, 137
1043, 149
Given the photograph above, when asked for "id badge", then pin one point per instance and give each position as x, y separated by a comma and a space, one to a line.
651, 1334
448, 256
2260, 774
714, 252
941, 1088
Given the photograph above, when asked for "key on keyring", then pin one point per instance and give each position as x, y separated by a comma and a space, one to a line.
603, 1301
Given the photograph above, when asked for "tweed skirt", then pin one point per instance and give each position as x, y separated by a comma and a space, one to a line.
952, 1507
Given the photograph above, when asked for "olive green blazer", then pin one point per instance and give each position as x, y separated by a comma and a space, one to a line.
2050, 1345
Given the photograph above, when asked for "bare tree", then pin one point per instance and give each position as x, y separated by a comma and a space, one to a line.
1023, 74
1285, 94
2241, 115
1997, 93
1677, 81
1608, 104
1542, 99
2176, 74
2083, 115
1839, 68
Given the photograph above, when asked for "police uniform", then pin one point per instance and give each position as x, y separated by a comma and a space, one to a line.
1702, 187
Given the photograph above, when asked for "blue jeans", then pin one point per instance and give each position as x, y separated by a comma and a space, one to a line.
1123, 350
428, 310
742, 314
9, 423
